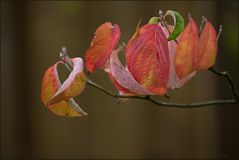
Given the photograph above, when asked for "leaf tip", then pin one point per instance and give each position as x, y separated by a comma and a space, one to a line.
154, 20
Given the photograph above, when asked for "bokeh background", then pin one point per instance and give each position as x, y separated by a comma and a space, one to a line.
32, 34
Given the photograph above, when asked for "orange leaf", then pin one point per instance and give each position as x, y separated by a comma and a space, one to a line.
186, 50
73, 85
105, 40
207, 47
174, 81
57, 97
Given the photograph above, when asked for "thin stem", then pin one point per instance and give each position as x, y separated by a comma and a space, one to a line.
65, 58
229, 79
97, 86
164, 104
193, 105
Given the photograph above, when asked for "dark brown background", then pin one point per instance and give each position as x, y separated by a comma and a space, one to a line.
32, 34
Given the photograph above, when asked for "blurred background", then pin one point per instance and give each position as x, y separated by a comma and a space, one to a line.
32, 34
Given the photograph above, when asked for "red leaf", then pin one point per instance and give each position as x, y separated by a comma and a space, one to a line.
57, 97
185, 62
105, 40
207, 48
122, 78
147, 58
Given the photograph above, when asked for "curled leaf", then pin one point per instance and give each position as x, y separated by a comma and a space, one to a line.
207, 47
178, 24
57, 97
105, 40
186, 51
122, 78
147, 58
73, 85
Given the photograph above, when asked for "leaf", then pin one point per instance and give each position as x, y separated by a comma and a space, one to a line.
105, 40
73, 85
207, 47
154, 20
186, 51
147, 58
174, 81
120, 88
178, 24
57, 97
122, 78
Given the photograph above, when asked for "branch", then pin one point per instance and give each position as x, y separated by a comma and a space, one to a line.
69, 65
229, 79
164, 104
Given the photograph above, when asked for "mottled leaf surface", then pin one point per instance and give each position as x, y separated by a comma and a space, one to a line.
105, 40
122, 78
207, 48
186, 51
147, 58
